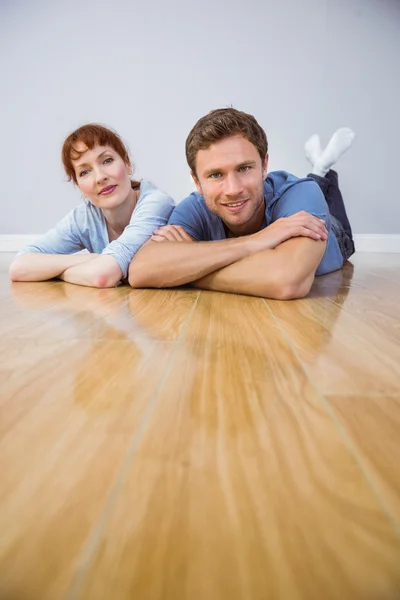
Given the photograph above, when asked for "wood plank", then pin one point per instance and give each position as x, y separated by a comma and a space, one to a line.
105, 384
343, 354
78, 368
242, 486
376, 303
56, 310
162, 314
55, 482
373, 424
361, 282
69, 412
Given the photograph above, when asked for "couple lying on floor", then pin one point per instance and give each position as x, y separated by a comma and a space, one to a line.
244, 231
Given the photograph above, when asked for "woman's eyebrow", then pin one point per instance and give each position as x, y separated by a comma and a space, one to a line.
87, 164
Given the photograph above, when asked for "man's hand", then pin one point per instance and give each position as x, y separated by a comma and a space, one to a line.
171, 233
301, 224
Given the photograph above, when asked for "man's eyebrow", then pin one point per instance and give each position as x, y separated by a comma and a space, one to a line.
246, 163
86, 164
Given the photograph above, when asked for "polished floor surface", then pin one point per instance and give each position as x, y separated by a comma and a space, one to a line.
186, 445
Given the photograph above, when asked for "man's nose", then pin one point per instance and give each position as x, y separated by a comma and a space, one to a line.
233, 185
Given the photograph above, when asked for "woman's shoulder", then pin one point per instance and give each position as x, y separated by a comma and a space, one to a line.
85, 208
148, 189
83, 217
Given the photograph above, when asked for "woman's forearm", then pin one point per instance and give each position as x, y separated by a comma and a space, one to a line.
36, 266
103, 272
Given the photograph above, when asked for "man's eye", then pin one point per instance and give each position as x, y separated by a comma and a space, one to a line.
245, 168
215, 175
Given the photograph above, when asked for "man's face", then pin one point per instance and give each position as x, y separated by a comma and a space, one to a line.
230, 175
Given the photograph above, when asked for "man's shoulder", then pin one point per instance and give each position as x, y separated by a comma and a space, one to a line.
193, 214
194, 200
195, 206
280, 181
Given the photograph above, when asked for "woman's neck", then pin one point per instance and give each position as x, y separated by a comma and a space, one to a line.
118, 218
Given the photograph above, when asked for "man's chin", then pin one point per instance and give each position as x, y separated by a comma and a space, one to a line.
237, 226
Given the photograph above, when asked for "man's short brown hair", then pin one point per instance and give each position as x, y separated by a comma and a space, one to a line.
220, 124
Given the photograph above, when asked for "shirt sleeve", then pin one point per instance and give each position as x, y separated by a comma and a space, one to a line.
308, 196
62, 239
152, 212
187, 215
305, 195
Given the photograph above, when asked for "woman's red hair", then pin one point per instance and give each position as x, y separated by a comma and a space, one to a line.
91, 135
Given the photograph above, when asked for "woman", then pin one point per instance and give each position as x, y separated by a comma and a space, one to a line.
118, 216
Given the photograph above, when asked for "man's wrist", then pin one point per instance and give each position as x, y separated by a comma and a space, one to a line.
259, 241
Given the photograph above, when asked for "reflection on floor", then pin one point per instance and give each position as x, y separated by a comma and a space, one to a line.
176, 444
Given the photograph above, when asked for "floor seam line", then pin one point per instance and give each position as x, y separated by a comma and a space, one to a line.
342, 431
93, 539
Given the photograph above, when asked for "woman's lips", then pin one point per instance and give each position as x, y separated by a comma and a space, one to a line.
108, 190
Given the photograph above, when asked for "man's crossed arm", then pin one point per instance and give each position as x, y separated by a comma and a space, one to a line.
277, 262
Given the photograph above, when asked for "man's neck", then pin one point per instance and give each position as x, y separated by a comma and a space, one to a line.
248, 228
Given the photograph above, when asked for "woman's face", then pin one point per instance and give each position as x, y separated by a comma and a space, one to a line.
102, 176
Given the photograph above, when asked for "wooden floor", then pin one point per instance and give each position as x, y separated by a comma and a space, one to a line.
185, 445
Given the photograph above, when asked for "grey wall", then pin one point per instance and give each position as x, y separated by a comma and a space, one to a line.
151, 69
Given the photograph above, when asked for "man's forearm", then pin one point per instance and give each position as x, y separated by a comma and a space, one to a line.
170, 264
285, 272
36, 266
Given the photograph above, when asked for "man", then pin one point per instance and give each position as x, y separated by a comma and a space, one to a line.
259, 236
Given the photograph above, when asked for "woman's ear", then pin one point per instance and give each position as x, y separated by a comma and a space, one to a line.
129, 168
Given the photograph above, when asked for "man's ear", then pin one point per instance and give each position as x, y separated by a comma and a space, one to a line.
265, 166
196, 182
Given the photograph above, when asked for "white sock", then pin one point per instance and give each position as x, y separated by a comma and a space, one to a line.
337, 145
313, 149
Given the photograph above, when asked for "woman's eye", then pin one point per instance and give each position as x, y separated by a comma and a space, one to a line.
83, 173
108, 160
